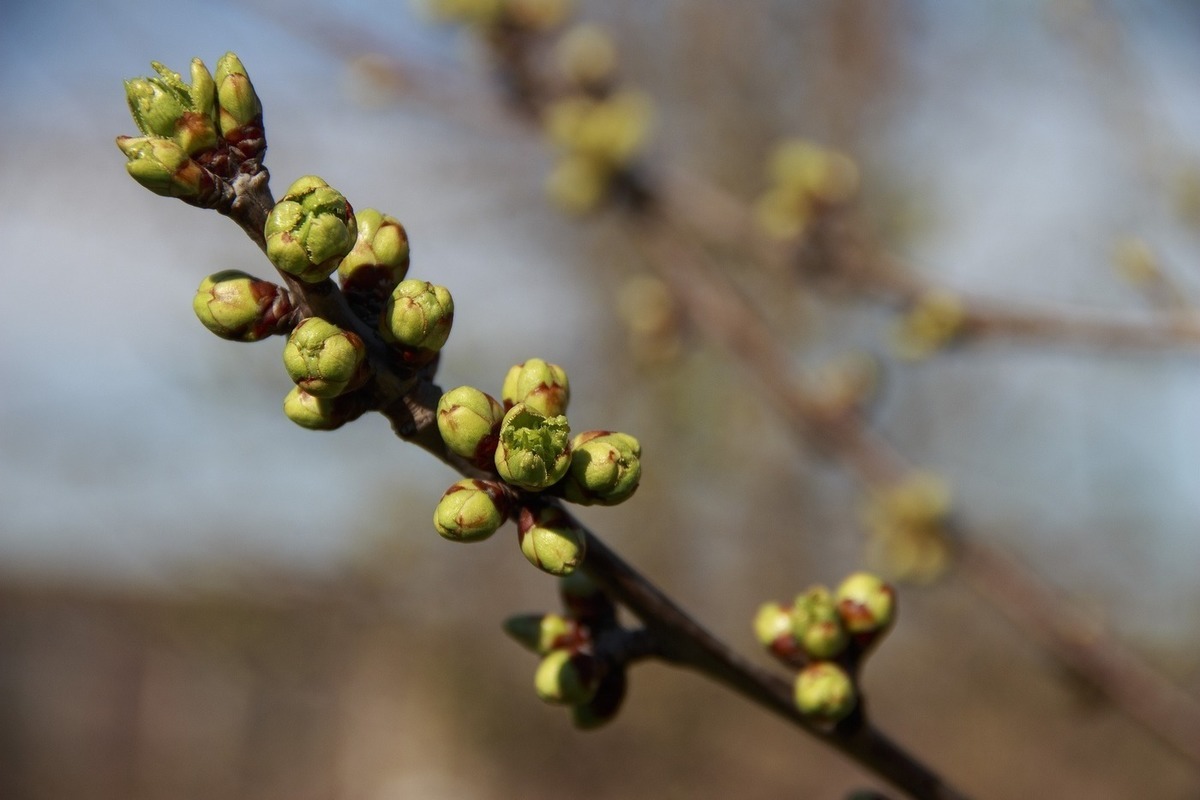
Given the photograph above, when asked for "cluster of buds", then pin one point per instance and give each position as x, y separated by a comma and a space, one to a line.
933, 321
195, 137
524, 441
572, 672
805, 181
826, 635
908, 523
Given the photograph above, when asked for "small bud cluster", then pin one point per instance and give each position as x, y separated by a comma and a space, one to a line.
933, 321
524, 440
908, 523
826, 635
805, 180
573, 672
195, 137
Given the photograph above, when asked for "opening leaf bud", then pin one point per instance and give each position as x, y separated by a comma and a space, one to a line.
419, 315
816, 624
314, 413
550, 541
534, 451
471, 510
164, 167
379, 259
237, 101
866, 603
541, 633
322, 358
469, 422
566, 677
240, 307
539, 385
310, 230
605, 468
825, 692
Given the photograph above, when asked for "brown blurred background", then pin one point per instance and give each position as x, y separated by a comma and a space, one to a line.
198, 599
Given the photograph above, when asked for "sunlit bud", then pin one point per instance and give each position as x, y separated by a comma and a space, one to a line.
783, 213
314, 413
605, 468
824, 692
469, 422
165, 168
935, 320
605, 703
541, 633
816, 624
550, 541
470, 510
566, 677
419, 315
322, 358
866, 603
541, 386
773, 629
310, 230
578, 184
824, 174
237, 101
586, 55
379, 259
534, 451
612, 130
240, 307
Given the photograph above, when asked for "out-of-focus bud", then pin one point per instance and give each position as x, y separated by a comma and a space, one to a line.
586, 55
534, 451
566, 677
612, 131
164, 167
550, 542
825, 692
310, 230
605, 468
585, 601
773, 629
935, 320
240, 307
578, 184
866, 603
909, 525
783, 213
539, 385
167, 107
314, 413
816, 624
469, 422
471, 510
379, 259
322, 358
605, 703
419, 315
542, 633
821, 173
237, 101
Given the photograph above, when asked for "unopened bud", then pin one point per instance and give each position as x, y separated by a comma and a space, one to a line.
237, 101
825, 692
816, 624
314, 413
538, 384
310, 230
471, 510
164, 167
566, 677
379, 259
322, 358
866, 603
240, 307
773, 628
550, 541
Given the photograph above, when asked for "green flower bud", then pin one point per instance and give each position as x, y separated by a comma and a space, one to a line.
605, 468
539, 385
866, 604
314, 413
773, 626
605, 703
203, 91
534, 450
565, 677
816, 624
542, 633
310, 230
322, 358
164, 167
550, 541
155, 104
825, 692
470, 511
419, 315
237, 101
469, 421
379, 259
240, 307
